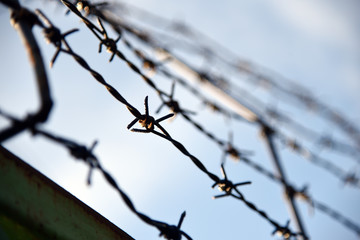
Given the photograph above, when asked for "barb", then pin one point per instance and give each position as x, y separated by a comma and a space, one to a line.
109, 43
149, 123
53, 35
173, 232
173, 104
227, 186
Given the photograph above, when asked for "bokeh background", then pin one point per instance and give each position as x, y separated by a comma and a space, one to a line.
313, 43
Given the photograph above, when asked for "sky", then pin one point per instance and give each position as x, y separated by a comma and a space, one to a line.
313, 43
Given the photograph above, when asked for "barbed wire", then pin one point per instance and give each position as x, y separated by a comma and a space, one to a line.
291, 143
172, 103
201, 44
347, 177
149, 37
159, 67
147, 121
54, 36
85, 154
175, 106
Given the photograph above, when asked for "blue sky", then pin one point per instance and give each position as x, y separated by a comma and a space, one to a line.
313, 43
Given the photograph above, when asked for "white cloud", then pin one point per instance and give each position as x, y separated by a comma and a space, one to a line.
318, 19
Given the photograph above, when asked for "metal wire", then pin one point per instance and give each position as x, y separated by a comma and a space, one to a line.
287, 141
81, 152
152, 125
193, 41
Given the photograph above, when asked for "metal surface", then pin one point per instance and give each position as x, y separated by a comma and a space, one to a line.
34, 207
